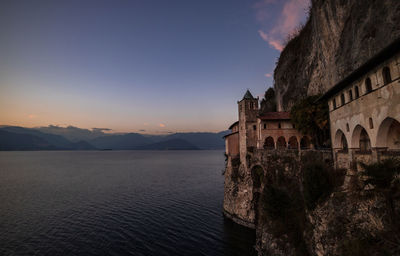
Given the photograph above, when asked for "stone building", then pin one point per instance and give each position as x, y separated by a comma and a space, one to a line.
269, 131
365, 111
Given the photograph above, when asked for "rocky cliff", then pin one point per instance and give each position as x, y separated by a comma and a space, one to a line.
339, 36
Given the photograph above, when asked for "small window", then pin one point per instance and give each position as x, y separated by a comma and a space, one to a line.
334, 103
342, 99
279, 125
254, 127
357, 92
351, 95
371, 124
294, 127
265, 126
387, 78
347, 127
368, 85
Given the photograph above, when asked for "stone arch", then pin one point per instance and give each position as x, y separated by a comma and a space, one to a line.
340, 140
388, 135
360, 139
281, 143
305, 143
293, 144
269, 143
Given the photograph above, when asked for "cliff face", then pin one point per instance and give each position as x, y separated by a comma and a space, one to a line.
339, 36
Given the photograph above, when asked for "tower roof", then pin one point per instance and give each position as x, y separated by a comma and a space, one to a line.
248, 96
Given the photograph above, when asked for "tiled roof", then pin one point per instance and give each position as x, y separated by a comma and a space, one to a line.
232, 125
275, 116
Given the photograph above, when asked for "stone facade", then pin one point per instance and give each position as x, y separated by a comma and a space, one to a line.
365, 111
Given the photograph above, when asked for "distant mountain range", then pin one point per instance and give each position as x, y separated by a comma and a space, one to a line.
20, 138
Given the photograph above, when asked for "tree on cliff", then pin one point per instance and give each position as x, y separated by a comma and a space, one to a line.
268, 103
311, 117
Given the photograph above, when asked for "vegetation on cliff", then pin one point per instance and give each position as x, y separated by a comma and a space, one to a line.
312, 118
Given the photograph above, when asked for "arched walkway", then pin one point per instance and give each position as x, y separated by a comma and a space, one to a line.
340, 140
269, 143
293, 144
281, 143
360, 139
389, 134
305, 143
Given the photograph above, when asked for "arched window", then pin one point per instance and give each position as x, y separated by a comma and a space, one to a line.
389, 134
387, 78
371, 123
279, 125
340, 141
269, 143
281, 143
351, 95
357, 92
265, 126
365, 143
293, 144
334, 103
368, 85
342, 101
305, 143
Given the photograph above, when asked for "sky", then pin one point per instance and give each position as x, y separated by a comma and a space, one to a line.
149, 66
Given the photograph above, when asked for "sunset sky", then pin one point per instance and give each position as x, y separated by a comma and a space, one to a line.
140, 65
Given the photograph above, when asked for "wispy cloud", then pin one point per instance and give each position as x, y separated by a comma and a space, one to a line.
293, 12
31, 116
268, 75
162, 125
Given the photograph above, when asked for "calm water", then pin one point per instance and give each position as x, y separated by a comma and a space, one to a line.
116, 203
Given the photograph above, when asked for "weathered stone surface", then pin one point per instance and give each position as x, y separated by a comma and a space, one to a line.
339, 37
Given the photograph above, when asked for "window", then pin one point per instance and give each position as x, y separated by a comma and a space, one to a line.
294, 127
254, 127
342, 99
356, 92
279, 125
265, 126
371, 124
251, 105
368, 85
387, 78
334, 103
351, 95
347, 127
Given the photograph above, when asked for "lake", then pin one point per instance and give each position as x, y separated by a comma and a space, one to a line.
116, 203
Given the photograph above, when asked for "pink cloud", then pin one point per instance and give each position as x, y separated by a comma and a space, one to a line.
268, 75
31, 116
162, 125
293, 12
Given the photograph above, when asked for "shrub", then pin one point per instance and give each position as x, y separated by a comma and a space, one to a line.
276, 202
317, 184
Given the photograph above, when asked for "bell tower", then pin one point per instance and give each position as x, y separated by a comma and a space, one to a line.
248, 111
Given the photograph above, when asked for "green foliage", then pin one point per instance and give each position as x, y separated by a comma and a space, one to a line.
317, 183
312, 118
268, 103
276, 202
382, 175
356, 247
257, 175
